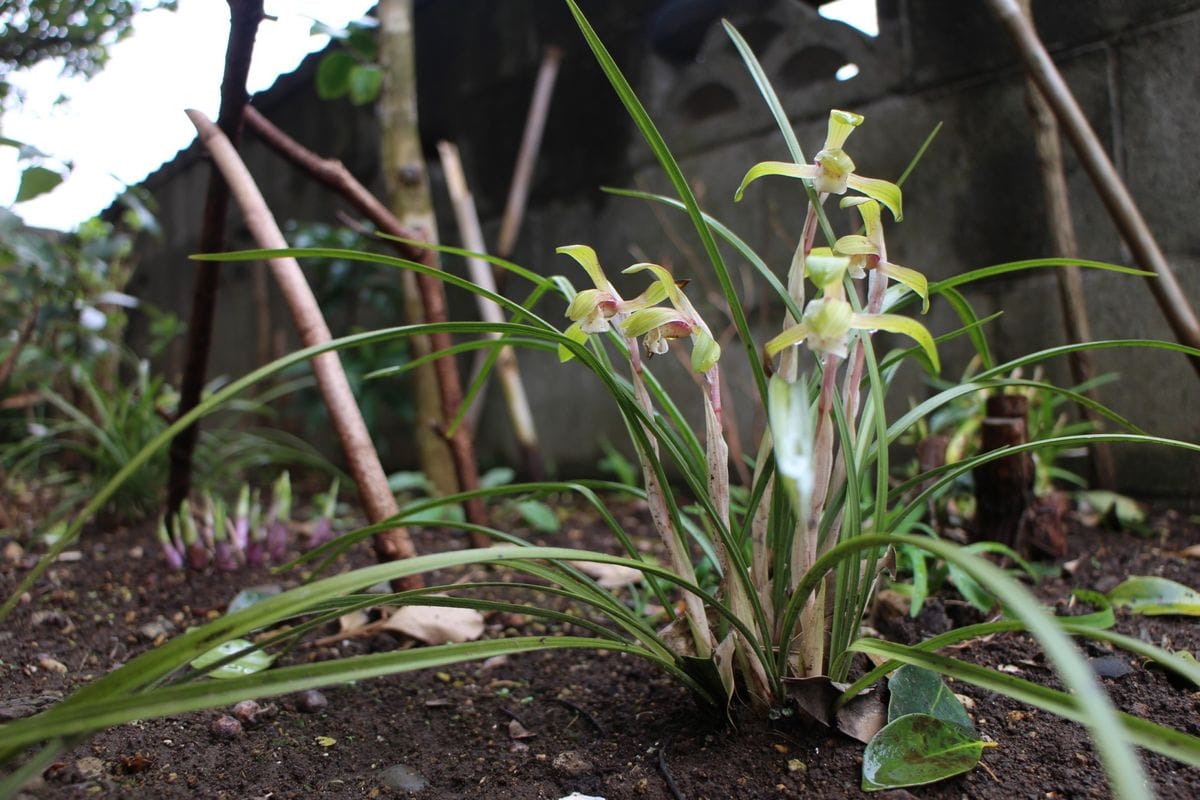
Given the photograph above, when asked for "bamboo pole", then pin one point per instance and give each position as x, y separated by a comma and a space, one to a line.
1109, 185
1070, 278
531, 142
347, 420
407, 184
481, 274
333, 173
244, 16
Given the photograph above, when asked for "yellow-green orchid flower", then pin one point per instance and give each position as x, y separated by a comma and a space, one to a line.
596, 310
828, 319
870, 251
659, 324
832, 170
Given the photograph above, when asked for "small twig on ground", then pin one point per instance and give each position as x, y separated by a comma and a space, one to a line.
666, 771
583, 713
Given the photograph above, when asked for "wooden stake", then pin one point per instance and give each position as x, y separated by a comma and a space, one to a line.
347, 420
1070, 279
481, 274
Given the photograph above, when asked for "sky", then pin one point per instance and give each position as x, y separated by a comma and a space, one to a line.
126, 122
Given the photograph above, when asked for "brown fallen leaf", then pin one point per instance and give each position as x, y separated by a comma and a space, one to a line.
349, 623
436, 625
609, 576
518, 731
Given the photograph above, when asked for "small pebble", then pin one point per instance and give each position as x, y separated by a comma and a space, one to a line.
251, 713
311, 702
572, 764
90, 767
403, 778
225, 727
52, 664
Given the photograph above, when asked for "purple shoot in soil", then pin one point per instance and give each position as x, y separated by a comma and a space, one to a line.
172, 554
223, 552
281, 510
197, 553
256, 553
239, 533
322, 529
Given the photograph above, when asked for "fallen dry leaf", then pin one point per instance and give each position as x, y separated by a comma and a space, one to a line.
348, 623
437, 625
609, 576
518, 731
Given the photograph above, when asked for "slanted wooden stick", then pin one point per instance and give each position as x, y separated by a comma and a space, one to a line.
481, 273
344, 413
1109, 185
334, 174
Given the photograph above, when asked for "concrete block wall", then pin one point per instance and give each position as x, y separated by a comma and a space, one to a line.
975, 199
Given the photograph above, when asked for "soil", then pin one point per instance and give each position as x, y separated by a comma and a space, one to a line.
597, 723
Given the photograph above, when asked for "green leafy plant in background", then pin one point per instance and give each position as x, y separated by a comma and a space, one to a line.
352, 71
803, 544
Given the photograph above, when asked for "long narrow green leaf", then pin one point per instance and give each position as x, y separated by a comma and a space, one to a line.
654, 139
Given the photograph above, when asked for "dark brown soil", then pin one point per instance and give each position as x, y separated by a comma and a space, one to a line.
601, 724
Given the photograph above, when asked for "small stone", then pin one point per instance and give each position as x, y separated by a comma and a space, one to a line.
159, 627
1110, 667
225, 727
250, 713
311, 702
13, 552
444, 677
572, 764
90, 767
52, 664
796, 765
403, 778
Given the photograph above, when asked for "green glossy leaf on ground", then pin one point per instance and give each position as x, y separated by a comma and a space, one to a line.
255, 594
1128, 512
248, 664
1144, 594
36, 181
917, 749
916, 690
539, 515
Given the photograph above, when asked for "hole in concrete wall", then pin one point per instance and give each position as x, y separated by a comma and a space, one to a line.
860, 14
811, 65
846, 72
707, 101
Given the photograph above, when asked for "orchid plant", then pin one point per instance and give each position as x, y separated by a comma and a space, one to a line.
796, 553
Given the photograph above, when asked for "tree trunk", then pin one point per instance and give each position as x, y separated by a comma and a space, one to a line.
407, 184
244, 16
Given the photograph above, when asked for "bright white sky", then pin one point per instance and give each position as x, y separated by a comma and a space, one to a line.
127, 121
